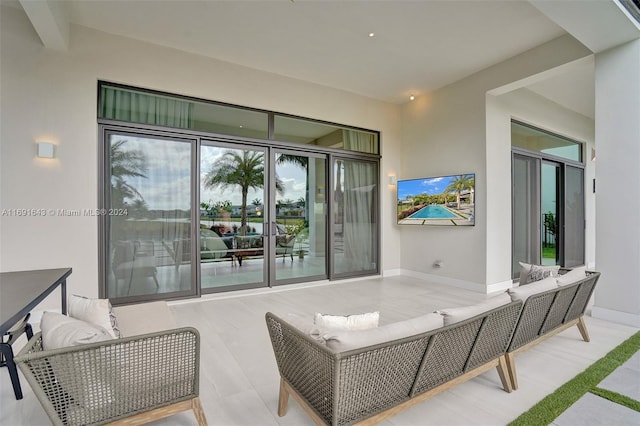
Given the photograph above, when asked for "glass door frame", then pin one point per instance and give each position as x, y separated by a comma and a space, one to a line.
273, 282
559, 210
333, 159
196, 138
562, 163
237, 145
104, 204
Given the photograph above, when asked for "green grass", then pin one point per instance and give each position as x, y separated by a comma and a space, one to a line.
548, 252
546, 411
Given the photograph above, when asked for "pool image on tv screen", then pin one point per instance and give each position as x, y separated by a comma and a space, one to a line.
441, 200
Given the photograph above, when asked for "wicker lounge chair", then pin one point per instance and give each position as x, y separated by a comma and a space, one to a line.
372, 383
131, 380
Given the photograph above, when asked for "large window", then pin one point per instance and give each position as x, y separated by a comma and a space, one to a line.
135, 105
211, 197
547, 199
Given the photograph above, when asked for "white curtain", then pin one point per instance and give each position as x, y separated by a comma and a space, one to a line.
360, 194
119, 104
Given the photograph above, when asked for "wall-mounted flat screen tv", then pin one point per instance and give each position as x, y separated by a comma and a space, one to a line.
440, 200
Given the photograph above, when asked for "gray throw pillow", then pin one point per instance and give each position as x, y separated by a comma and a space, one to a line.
526, 275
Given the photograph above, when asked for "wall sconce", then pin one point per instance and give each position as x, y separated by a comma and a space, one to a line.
45, 150
393, 180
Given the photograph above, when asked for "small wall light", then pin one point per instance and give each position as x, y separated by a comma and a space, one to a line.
411, 97
45, 150
393, 180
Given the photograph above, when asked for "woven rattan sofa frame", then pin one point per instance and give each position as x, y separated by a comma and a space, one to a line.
367, 385
148, 366
547, 314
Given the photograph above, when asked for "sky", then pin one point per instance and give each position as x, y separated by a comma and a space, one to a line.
167, 185
429, 186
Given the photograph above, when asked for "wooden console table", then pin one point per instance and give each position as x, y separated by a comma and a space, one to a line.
20, 292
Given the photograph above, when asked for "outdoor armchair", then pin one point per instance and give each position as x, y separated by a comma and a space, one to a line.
131, 380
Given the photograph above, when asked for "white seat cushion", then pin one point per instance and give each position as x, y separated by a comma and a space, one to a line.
144, 318
525, 291
453, 315
344, 340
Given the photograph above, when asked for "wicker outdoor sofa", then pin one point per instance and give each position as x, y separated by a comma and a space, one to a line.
367, 384
548, 313
371, 383
128, 380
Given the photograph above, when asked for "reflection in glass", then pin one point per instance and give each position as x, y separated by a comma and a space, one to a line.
150, 198
327, 135
525, 219
355, 221
574, 217
137, 106
533, 139
231, 219
550, 190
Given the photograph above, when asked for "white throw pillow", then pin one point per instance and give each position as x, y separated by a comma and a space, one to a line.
525, 291
453, 315
349, 322
61, 331
344, 340
95, 311
572, 276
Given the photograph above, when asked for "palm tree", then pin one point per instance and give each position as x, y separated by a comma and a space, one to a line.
303, 163
125, 164
239, 168
459, 184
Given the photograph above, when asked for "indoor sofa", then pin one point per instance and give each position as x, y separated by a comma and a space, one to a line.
346, 377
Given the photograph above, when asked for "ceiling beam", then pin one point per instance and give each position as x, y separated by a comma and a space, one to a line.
599, 25
49, 21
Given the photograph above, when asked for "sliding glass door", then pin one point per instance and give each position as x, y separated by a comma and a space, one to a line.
188, 216
525, 211
355, 221
548, 216
550, 213
298, 231
233, 184
574, 216
147, 216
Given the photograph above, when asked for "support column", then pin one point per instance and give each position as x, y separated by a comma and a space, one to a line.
617, 92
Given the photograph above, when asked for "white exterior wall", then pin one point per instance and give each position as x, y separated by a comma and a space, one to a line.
617, 296
52, 96
528, 107
451, 132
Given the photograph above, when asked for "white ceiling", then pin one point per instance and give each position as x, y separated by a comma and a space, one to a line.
418, 46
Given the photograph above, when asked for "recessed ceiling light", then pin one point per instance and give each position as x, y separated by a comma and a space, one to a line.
372, 34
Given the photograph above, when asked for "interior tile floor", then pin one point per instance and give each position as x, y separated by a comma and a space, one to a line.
239, 378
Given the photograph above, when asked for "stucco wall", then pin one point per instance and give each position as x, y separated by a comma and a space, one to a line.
50, 95
450, 132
